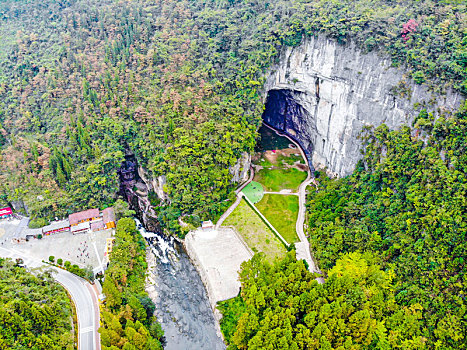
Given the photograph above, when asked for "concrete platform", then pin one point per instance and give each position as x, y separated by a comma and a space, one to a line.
217, 255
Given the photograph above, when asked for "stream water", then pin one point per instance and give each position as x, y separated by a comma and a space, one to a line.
182, 306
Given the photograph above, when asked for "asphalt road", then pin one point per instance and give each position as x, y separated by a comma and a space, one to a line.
83, 295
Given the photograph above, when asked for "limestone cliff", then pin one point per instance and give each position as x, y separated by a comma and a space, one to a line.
240, 170
324, 93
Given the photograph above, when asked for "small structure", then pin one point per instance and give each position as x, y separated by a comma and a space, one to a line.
83, 216
108, 216
206, 225
82, 227
32, 233
97, 226
5, 213
57, 226
108, 249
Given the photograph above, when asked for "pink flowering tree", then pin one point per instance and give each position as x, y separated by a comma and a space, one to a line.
407, 28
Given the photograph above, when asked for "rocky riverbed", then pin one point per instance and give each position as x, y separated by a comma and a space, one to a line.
182, 306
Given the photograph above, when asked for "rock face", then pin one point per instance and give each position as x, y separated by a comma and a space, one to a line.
154, 184
240, 169
323, 94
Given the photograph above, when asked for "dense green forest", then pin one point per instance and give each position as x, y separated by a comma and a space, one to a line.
35, 311
179, 84
282, 306
176, 82
127, 317
396, 226
406, 202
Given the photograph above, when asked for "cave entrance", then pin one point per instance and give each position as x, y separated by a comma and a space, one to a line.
284, 113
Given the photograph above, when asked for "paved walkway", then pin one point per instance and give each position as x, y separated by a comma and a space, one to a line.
303, 247
282, 192
239, 194
230, 210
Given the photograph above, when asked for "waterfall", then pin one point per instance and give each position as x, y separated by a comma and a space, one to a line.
182, 305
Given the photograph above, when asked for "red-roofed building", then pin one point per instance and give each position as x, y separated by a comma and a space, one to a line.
108, 216
97, 226
83, 216
5, 212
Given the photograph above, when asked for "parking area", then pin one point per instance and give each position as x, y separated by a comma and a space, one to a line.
81, 249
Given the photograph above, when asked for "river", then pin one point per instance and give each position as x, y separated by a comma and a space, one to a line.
182, 306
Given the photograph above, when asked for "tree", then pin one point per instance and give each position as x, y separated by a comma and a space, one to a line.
122, 209
282, 306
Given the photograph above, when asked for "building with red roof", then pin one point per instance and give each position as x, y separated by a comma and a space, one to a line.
83, 216
97, 226
108, 216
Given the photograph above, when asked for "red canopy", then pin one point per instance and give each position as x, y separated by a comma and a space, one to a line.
5, 211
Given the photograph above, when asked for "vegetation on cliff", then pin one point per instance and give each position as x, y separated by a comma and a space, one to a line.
127, 317
35, 311
406, 204
401, 215
176, 82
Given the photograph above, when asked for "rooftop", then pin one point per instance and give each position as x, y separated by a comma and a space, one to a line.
80, 227
108, 215
98, 225
56, 225
83, 215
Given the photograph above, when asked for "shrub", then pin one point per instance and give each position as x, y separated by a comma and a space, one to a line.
419, 77
51, 258
38, 223
60, 261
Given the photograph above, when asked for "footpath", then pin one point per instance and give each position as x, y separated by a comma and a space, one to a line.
303, 246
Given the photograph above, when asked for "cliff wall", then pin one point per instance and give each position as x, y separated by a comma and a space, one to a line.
323, 94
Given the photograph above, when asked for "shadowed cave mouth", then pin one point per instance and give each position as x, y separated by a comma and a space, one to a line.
283, 113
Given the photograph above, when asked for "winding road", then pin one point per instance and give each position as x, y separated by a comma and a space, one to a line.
84, 297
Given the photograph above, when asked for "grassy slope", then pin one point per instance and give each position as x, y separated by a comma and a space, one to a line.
255, 232
281, 211
278, 179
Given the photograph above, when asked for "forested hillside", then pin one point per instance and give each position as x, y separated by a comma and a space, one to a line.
400, 216
179, 84
283, 307
176, 82
128, 320
35, 311
406, 203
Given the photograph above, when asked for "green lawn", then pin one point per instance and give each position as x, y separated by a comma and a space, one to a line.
254, 191
282, 212
255, 232
275, 180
